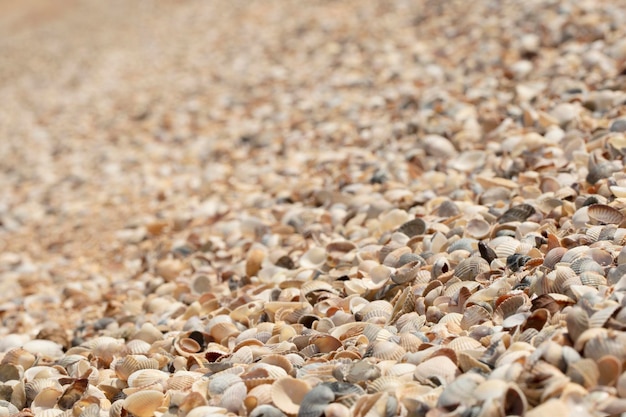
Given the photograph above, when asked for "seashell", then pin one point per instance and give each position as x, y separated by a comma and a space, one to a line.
289, 393
604, 214
477, 228
144, 403
313, 258
138, 347
519, 213
46, 398
394, 257
414, 227
469, 268
377, 277
147, 377
232, 399
460, 392
377, 404
34, 387
200, 284
577, 322
606, 343
219, 383
406, 273
182, 381
467, 362
439, 369
584, 372
264, 410
474, 315
18, 356
610, 369
385, 350
464, 343
553, 257
508, 307
552, 407
600, 317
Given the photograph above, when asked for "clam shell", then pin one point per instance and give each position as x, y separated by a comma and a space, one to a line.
144, 403
288, 393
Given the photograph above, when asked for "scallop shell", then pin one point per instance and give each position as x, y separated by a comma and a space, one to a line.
605, 214
288, 394
144, 403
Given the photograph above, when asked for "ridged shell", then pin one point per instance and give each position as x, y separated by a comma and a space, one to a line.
473, 316
605, 214
144, 403
147, 377
606, 343
126, 366
232, 399
469, 268
517, 213
464, 343
385, 350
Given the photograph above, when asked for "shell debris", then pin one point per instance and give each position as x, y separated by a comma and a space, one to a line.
367, 209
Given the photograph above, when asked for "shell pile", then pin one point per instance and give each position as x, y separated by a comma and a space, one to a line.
285, 208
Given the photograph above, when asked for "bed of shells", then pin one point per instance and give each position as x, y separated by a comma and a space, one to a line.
412, 210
